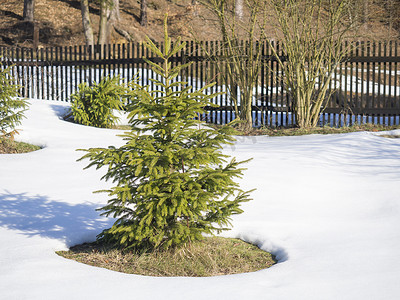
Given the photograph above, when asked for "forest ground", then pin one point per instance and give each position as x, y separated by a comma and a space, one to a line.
60, 23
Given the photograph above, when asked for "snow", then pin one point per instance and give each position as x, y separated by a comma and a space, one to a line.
327, 205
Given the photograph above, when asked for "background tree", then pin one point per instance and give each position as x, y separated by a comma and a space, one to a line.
358, 11
392, 17
86, 23
239, 9
115, 15
143, 12
242, 60
29, 10
109, 14
313, 36
173, 182
104, 22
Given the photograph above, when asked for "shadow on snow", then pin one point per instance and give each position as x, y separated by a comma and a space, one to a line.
39, 215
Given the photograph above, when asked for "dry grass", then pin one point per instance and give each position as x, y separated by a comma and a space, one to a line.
211, 257
8, 146
282, 131
121, 127
390, 136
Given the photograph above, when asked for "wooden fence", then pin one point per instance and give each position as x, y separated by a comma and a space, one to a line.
367, 87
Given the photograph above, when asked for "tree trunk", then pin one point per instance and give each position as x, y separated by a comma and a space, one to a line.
391, 11
246, 108
87, 25
103, 25
239, 9
143, 13
365, 12
114, 12
113, 17
29, 10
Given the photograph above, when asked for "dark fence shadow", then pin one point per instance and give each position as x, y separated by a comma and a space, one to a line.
39, 215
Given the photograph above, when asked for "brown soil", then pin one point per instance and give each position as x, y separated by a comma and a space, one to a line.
60, 22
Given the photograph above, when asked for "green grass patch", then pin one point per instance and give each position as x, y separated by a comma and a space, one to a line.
8, 146
210, 257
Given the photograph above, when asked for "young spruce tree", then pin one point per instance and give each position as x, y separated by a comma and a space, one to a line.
11, 108
173, 182
93, 105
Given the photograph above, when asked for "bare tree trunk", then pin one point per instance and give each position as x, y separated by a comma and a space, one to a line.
365, 12
143, 13
29, 10
239, 9
114, 12
390, 16
113, 17
87, 25
103, 25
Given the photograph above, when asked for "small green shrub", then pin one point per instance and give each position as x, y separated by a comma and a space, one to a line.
94, 105
11, 108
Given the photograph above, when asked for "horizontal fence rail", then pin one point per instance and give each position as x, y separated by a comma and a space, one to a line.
365, 86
